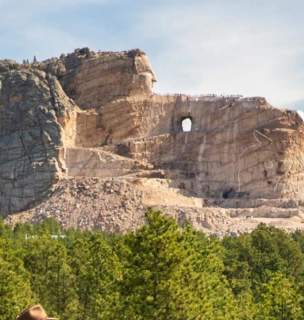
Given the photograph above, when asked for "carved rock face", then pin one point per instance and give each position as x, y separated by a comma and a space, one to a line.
145, 77
93, 116
94, 79
38, 119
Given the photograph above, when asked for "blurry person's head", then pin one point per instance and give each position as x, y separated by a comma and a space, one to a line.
35, 312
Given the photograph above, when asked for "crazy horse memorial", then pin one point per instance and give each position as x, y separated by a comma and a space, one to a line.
84, 139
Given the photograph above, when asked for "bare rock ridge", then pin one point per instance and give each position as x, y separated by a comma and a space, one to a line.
84, 139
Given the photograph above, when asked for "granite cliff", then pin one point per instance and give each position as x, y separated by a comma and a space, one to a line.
84, 139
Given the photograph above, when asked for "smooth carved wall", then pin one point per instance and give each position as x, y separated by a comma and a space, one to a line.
236, 148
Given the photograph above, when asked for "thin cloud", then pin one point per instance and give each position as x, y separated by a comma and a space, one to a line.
27, 27
196, 46
47, 4
212, 48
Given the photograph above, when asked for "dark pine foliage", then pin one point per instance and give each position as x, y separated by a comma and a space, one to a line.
161, 271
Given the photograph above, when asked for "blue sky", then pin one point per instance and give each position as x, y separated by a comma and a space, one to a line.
248, 47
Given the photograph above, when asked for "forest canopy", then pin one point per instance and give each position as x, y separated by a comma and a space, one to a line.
161, 271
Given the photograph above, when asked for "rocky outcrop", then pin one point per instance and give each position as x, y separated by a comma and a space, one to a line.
93, 79
237, 147
93, 117
38, 120
119, 205
32, 105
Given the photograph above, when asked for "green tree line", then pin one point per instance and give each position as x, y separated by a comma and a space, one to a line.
161, 271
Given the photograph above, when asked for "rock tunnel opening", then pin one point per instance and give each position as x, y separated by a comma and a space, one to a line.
231, 193
186, 124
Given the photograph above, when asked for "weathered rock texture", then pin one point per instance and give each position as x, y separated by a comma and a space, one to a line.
87, 115
33, 107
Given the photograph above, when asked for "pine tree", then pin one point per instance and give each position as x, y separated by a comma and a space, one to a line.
279, 300
51, 276
97, 270
15, 290
165, 277
209, 294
